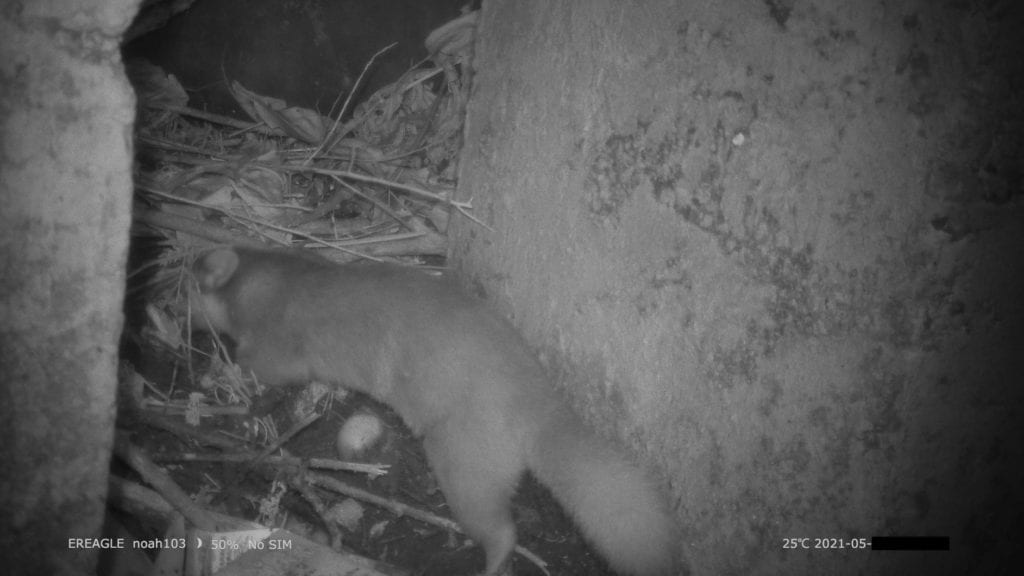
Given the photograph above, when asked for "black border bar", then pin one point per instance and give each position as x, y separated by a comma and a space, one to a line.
910, 542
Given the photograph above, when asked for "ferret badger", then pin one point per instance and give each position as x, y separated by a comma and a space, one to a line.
459, 375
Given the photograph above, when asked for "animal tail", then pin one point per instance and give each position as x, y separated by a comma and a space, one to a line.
618, 507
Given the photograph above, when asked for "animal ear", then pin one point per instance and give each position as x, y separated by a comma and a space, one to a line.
214, 269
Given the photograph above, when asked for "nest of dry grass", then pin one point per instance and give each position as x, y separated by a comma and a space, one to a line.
369, 180
375, 184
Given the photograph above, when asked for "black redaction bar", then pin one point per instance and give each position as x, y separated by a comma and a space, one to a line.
910, 542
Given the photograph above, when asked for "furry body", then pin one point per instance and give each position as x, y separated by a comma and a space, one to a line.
459, 375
